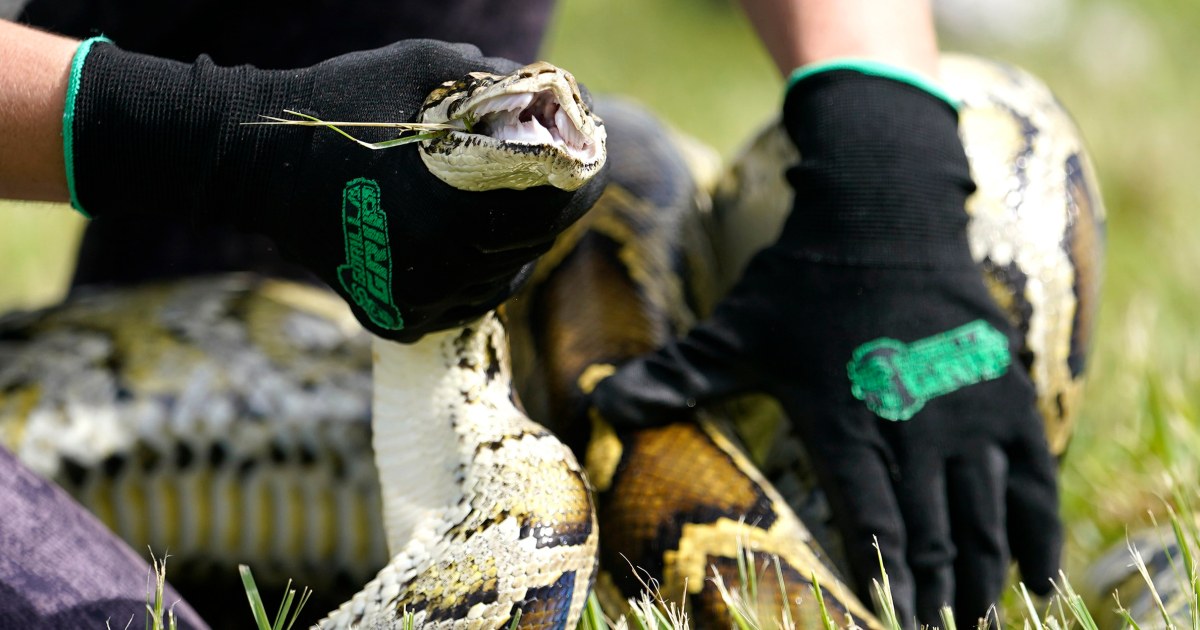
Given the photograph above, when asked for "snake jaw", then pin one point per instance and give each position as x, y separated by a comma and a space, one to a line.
533, 119
528, 128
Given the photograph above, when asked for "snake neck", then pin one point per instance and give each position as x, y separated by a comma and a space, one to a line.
480, 504
428, 424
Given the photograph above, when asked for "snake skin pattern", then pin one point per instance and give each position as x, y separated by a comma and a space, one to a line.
489, 518
227, 419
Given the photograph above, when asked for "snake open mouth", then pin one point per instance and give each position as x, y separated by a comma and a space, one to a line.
527, 128
532, 119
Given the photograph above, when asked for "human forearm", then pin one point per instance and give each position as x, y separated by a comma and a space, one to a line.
33, 84
801, 32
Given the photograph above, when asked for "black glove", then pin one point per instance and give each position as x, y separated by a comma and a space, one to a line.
155, 136
870, 322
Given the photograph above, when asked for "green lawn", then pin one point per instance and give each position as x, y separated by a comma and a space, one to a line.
1124, 68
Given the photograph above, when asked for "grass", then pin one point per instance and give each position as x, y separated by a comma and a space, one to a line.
285, 616
1063, 610
159, 615
37, 252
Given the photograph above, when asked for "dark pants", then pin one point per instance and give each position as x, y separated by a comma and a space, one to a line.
62, 568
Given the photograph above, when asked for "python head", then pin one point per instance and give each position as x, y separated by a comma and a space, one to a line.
519, 130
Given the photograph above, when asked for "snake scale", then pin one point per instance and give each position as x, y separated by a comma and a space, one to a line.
229, 419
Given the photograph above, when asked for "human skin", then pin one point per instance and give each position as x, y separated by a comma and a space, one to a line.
34, 66
801, 32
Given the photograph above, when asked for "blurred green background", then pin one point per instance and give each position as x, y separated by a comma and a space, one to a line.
1123, 67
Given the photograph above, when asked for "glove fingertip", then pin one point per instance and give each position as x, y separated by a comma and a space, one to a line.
1037, 551
629, 400
1040, 566
1035, 529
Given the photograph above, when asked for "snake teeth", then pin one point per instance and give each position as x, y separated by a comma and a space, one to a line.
507, 102
533, 119
528, 128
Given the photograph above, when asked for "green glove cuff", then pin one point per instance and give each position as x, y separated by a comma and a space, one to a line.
873, 68
69, 117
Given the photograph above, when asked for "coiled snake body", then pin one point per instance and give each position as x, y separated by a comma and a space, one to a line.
226, 419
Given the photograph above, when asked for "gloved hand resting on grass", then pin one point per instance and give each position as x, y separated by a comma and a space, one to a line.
870, 322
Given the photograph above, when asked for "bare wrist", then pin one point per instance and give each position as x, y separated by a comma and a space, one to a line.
34, 67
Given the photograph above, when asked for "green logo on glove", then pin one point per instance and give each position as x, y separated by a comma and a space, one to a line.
896, 379
367, 274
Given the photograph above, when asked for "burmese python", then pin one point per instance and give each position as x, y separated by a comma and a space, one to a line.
225, 419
